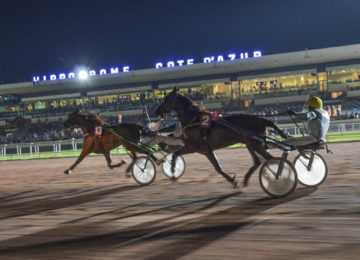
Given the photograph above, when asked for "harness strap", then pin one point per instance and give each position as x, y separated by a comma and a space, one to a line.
188, 126
146, 148
191, 124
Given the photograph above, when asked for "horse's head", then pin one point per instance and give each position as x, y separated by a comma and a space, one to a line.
75, 118
161, 111
173, 102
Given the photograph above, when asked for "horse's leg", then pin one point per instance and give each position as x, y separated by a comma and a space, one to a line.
157, 160
253, 149
133, 158
184, 150
108, 160
83, 154
210, 155
173, 160
212, 158
88, 147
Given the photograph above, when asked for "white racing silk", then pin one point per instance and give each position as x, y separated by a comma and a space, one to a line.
318, 122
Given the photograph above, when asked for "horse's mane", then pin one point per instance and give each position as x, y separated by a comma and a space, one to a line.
94, 117
192, 104
90, 117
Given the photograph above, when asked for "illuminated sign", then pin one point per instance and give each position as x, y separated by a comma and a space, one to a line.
209, 59
81, 74
84, 74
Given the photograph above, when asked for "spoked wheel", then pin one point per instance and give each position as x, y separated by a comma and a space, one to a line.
144, 170
315, 174
279, 186
179, 167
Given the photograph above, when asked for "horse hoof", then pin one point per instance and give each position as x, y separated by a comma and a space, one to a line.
67, 172
160, 161
236, 184
245, 183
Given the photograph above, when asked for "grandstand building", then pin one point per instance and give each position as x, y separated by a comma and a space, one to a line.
247, 85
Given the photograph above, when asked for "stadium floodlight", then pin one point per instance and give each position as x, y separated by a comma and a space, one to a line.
83, 74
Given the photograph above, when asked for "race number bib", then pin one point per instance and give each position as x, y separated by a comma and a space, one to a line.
205, 121
98, 130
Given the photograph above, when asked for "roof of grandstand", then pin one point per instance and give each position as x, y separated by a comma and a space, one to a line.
300, 61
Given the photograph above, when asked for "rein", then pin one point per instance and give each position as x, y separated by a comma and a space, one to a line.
190, 124
128, 139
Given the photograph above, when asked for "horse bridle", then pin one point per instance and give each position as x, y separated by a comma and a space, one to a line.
172, 105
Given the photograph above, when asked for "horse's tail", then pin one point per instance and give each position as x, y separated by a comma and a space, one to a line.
271, 124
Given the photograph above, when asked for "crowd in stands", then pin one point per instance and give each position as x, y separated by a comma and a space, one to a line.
353, 111
37, 131
278, 91
279, 112
126, 102
353, 88
33, 132
64, 110
121, 104
273, 110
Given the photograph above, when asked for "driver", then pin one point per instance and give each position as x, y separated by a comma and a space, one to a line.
164, 135
317, 118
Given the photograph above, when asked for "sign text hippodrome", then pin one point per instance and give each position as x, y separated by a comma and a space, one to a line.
82, 74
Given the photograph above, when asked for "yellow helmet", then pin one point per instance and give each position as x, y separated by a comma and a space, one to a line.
315, 102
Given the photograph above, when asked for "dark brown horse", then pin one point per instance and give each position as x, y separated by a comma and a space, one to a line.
104, 142
224, 131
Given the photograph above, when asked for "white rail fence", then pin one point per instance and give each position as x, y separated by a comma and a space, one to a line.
43, 149
334, 128
59, 148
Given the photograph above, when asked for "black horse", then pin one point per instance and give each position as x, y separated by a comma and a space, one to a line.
224, 131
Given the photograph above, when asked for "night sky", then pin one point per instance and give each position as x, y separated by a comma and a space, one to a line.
43, 37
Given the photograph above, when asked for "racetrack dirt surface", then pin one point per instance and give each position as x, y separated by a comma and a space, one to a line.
98, 213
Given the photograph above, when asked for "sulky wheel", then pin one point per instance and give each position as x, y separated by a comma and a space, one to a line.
144, 170
179, 167
279, 186
315, 174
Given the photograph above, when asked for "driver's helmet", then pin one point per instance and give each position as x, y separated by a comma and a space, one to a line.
315, 102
